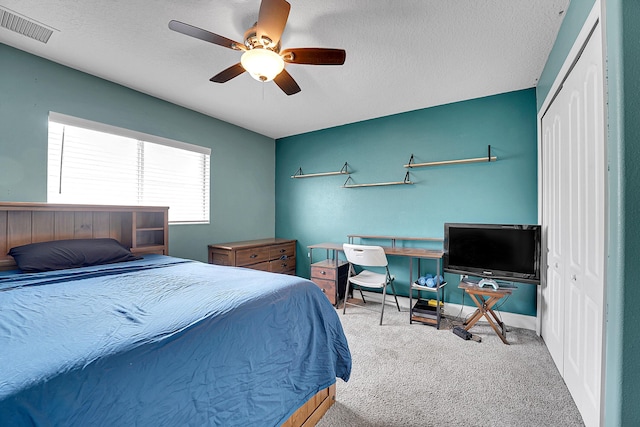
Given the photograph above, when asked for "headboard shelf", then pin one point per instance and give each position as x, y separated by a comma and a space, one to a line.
143, 229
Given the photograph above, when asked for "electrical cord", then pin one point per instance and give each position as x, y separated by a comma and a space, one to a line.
458, 318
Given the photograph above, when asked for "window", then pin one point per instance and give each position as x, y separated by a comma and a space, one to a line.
93, 163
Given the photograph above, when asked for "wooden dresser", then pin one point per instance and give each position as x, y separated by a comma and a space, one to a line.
273, 255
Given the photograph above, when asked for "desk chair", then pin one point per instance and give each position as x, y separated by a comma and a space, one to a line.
367, 256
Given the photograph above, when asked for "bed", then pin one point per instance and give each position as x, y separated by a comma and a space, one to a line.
157, 340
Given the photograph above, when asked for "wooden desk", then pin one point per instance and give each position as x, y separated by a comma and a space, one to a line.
393, 239
485, 299
411, 253
422, 314
389, 250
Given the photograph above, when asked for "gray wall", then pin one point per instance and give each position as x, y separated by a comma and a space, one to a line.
242, 197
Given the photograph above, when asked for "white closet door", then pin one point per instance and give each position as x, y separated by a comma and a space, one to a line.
554, 224
574, 219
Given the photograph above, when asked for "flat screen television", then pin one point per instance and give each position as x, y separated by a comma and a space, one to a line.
493, 251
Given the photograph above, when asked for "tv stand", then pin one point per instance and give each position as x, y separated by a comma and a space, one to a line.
484, 300
488, 282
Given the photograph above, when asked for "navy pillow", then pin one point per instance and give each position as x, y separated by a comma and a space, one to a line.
63, 254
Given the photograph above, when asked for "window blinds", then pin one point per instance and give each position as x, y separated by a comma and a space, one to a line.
93, 163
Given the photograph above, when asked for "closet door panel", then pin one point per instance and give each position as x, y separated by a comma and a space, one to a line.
574, 206
586, 272
553, 321
574, 242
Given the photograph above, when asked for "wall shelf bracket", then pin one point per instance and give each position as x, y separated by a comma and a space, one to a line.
343, 171
487, 159
406, 181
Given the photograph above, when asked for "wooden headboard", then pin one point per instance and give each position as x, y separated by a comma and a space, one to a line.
143, 229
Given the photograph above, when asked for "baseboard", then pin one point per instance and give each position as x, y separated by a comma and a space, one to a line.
451, 310
510, 319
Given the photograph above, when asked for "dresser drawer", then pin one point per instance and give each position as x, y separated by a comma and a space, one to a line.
262, 266
284, 251
287, 266
324, 272
328, 287
219, 258
251, 256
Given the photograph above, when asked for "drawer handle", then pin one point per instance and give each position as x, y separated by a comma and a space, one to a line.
284, 257
282, 251
254, 256
284, 264
323, 272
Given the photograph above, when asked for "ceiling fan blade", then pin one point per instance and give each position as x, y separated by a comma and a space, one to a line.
205, 35
314, 56
286, 83
272, 19
228, 74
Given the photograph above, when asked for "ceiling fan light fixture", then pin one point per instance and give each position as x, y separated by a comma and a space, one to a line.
263, 64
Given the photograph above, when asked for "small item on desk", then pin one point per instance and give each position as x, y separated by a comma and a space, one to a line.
434, 303
488, 283
430, 280
422, 280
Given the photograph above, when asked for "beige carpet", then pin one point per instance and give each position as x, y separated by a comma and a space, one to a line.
416, 375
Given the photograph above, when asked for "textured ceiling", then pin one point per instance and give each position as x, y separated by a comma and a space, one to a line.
401, 55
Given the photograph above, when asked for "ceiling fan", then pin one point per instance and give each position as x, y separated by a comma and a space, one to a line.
261, 56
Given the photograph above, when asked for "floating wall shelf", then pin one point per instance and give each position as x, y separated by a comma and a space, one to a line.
487, 159
343, 171
378, 184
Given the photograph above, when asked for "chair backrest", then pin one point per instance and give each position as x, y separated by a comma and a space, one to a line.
366, 256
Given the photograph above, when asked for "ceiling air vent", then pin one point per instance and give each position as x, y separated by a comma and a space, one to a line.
22, 25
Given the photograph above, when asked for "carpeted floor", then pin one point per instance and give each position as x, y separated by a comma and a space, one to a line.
416, 375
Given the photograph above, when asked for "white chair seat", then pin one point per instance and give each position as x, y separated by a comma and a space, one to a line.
370, 279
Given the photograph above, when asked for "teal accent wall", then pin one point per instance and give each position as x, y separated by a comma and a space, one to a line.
620, 19
242, 162
315, 210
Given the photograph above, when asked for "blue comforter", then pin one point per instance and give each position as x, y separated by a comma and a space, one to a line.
163, 341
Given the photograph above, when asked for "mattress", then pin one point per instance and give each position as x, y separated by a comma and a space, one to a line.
164, 341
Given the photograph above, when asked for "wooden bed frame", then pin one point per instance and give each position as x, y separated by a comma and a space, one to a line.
143, 229
311, 412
